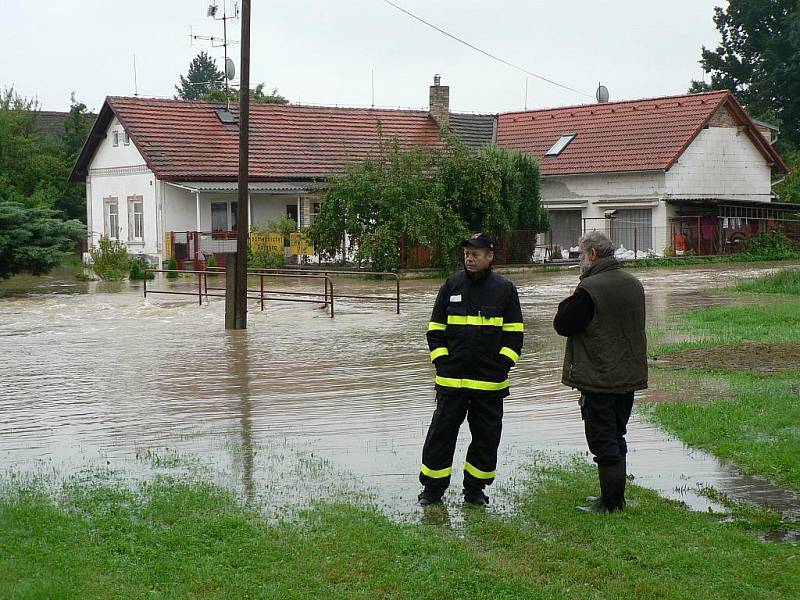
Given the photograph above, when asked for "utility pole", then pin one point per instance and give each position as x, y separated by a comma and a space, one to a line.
239, 321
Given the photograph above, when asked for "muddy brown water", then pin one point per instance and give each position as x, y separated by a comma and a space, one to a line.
299, 405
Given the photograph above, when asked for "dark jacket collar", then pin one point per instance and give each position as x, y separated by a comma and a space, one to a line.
604, 264
478, 277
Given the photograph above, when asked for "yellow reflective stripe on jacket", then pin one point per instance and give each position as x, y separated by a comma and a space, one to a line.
513, 327
474, 320
434, 326
472, 384
439, 352
436, 473
477, 473
506, 351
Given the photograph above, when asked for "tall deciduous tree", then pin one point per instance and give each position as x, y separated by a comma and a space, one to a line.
758, 59
257, 95
72, 199
34, 169
203, 76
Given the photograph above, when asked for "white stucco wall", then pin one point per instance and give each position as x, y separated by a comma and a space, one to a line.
180, 208
721, 162
270, 207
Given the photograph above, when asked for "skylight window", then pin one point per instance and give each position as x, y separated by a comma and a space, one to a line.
226, 116
559, 146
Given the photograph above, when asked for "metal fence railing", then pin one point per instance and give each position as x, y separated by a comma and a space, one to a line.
264, 293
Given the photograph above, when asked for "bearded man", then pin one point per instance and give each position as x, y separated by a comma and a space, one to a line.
605, 359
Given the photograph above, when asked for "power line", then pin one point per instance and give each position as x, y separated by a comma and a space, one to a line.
484, 52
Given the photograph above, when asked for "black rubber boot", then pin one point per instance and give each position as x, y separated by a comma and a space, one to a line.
430, 495
612, 489
475, 496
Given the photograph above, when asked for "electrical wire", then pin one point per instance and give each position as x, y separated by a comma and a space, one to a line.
484, 52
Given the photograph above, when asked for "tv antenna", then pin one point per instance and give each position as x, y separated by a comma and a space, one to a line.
229, 67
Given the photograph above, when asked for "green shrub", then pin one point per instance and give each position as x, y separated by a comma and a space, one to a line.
211, 263
137, 269
172, 266
110, 259
772, 246
264, 260
556, 253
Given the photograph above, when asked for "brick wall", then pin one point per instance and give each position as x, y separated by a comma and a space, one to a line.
440, 103
722, 118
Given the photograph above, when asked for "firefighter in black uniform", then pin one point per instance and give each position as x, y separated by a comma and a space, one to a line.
475, 337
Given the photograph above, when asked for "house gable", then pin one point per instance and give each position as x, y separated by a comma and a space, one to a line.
116, 158
722, 162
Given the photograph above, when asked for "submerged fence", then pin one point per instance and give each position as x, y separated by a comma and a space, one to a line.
264, 294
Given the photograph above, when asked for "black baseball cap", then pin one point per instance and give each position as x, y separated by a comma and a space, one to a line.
479, 240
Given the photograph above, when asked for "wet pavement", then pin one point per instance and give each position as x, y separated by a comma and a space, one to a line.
299, 405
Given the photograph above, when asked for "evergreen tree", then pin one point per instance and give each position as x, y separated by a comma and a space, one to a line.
34, 239
203, 76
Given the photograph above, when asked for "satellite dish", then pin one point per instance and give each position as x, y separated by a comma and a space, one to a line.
601, 94
230, 68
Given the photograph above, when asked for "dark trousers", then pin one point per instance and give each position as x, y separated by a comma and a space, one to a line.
485, 418
605, 420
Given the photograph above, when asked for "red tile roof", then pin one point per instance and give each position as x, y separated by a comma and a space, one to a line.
186, 141
637, 135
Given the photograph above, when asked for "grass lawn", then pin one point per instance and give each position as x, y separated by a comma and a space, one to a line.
738, 379
183, 539
786, 281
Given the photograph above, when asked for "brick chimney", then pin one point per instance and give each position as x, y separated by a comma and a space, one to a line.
440, 101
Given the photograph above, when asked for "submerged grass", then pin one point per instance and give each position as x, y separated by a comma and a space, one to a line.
729, 403
174, 538
753, 420
768, 319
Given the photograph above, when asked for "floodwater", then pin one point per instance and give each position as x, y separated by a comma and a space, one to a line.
299, 405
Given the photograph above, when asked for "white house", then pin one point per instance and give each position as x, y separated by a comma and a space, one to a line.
155, 166
696, 164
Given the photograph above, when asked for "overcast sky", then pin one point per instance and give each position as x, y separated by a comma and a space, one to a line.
318, 52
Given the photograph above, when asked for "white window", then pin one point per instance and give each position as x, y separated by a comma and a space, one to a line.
135, 218
111, 207
126, 138
115, 138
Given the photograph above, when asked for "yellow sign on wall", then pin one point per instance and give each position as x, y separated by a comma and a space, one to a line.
267, 242
169, 248
300, 244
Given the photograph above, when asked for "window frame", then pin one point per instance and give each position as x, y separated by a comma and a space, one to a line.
132, 220
115, 138
111, 233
